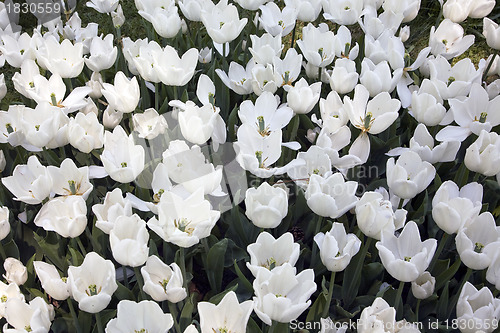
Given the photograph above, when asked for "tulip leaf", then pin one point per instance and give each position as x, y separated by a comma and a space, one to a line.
11, 249
217, 298
50, 248
242, 278
186, 314
215, 264
442, 306
62, 324
317, 308
233, 118
253, 327
123, 293
446, 276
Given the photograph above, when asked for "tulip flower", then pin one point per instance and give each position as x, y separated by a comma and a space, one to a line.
423, 144
29, 183
149, 124
302, 97
379, 315
427, 105
377, 78
228, 316
4, 222
251, 4
9, 291
448, 40
121, 158
336, 247
113, 207
65, 58
35, 316
184, 221
102, 53
307, 10
86, 132
92, 283
129, 240
267, 253
344, 12
265, 48
52, 283
277, 21
317, 45
493, 272
264, 79
409, 175
70, 180
158, 15
117, 17
344, 77
423, 286
238, 78
288, 68
266, 205
145, 316
282, 295
375, 215
192, 9
406, 257
477, 310
17, 51
492, 33
123, 95
454, 209
331, 197
478, 242
15, 271
67, 216
103, 6
222, 22
163, 282
409, 8
24, 80
197, 124
483, 156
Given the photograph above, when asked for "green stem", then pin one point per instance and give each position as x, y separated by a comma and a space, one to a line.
173, 311
2, 251
417, 309
140, 282
182, 265
485, 74
496, 292
315, 246
454, 300
476, 177
125, 278
442, 243
319, 73
73, 315
80, 245
69, 84
157, 96
99, 322
401, 203
293, 36
278, 327
398, 298
326, 310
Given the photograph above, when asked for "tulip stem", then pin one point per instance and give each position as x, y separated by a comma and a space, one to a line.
315, 246
173, 311
417, 309
80, 245
293, 36
73, 315
398, 298
496, 292
326, 310
99, 322
138, 277
476, 177
454, 300
442, 243
2, 251
490, 63
157, 96
125, 277
401, 203
182, 265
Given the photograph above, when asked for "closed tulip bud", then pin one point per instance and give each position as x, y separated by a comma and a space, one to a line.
15, 271
266, 205
423, 286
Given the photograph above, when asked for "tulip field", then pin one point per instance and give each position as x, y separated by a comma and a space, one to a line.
257, 166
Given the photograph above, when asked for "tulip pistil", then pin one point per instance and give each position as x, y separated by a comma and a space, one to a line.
367, 122
270, 263
28, 328
64, 279
345, 54
211, 98
286, 78
92, 290
221, 24
124, 164
451, 79
3, 299
142, 330
182, 225
164, 284
72, 187
221, 330
407, 259
9, 128
21, 51
478, 247
258, 154
482, 118
263, 129
316, 172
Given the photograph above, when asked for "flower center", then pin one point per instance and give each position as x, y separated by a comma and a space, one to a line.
478, 247
270, 263
92, 290
221, 330
157, 196
164, 284
182, 224
407, 259
142, 330
451, 79
124, 164
3, 299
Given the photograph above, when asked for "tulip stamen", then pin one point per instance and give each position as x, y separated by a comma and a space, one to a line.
182, 225
31, 84
482, 118
323, 56
157, 196
451, 79
478, 247
316, 172
407, 259
28, 328
64, 279
21, 51
221, 24
142, 330
3, 299
221, 330
270, 263
164, 284
92, 290
124, 164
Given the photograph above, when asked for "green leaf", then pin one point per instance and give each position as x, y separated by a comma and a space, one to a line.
186, 314
446, 276
215, 264
316, 309
217, 298
11, 249
442, 306
51, 250
242, 278
123, 293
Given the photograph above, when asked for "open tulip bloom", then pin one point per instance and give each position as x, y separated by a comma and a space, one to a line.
216, 166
